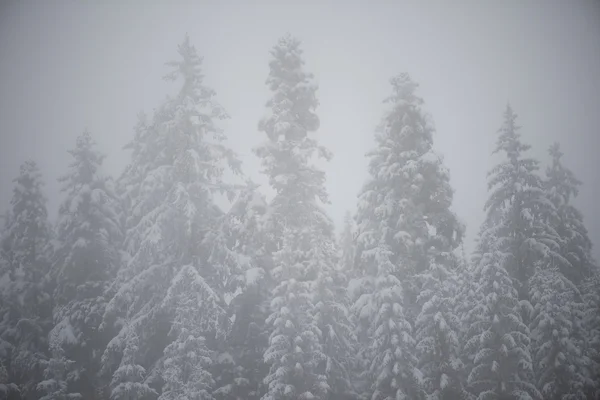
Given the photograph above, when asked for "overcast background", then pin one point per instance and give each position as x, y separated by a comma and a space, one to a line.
70, 65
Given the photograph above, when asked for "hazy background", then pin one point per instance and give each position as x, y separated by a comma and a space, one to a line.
68, 65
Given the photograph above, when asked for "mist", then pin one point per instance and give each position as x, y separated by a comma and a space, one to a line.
67, 66
411, 276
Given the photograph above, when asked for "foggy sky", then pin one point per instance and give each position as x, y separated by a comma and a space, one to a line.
70, 65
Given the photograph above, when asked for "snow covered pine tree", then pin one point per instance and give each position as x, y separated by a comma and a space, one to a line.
309, 331
561, 187
247, 252
499, 340
406, 236
86, 261
517, 209
179, 166
558, 342
513, 239
26, 301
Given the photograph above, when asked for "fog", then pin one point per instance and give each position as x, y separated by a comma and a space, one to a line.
66, 66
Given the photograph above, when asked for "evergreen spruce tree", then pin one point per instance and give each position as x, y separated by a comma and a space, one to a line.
498, 339
591, 326
59, 376
558, 346
438, 332
575, 246
294, 351
86, 261
128, 381
468, 297
333, 318
247, 339
405, 227
186, 366
305, 362
517, 209
8, 389
26, 302
179, 159
128, 184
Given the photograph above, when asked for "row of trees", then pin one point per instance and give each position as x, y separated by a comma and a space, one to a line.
145, 289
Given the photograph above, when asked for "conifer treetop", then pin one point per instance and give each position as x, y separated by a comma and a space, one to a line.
509, 139
565, 184
294, 101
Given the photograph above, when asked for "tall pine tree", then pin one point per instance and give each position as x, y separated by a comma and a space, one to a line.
405, 227
591, 325
27, 304
497, 338
575, 246
86, 260
558, 346
250, 285
179, 163
517, 209
308, 323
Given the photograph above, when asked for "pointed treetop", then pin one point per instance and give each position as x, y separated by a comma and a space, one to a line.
187, 51
509, 139
404, 88
292, 107
28, 166
555, 152
560, 177
288, 41
287, 62
29, 178
189, 67
86, 161
84, 139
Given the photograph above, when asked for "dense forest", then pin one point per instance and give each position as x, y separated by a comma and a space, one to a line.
144, 288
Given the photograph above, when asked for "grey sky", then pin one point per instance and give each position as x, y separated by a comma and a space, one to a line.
68, 65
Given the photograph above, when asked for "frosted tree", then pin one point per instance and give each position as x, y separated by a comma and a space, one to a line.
517, 208
558, 344
468, 297
179, 162
498, 338
86, 260
438, 333
404, 226
294, 351
575, 246
392, 359
128, 380
591, 325
286, 154
27, 241
59, 376
26, 301
333, 317
8, 389
242, 353
187, 362
142, 149
303, 362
